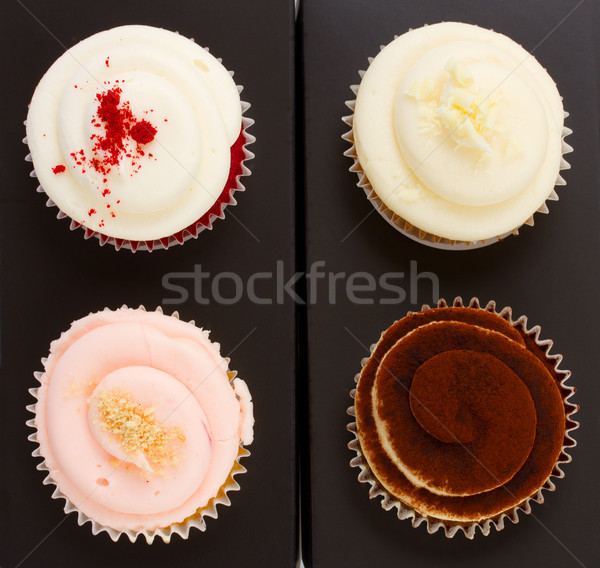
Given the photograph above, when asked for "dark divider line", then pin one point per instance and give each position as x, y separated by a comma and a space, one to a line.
302, 383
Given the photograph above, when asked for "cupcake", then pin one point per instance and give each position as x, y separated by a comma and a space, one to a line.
457, 135
462, 418
140, 423
137, 135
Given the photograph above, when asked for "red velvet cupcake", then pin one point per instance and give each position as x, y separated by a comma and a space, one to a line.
137, 135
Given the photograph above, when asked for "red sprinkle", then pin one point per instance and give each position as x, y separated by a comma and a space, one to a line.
117, 129
143, 132
107, 62
59, 169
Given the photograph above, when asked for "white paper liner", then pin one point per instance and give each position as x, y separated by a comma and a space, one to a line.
404, 511
183, 528
182, 236
414, 233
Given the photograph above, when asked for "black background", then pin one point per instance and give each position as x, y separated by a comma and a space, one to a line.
549, 272
50, 276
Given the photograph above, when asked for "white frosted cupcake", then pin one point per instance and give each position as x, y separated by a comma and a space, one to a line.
140, 423
136, 133
457, 135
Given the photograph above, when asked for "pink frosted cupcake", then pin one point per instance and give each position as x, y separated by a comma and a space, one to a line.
137, 135
140, 423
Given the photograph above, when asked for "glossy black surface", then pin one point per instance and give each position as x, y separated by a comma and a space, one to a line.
50, 276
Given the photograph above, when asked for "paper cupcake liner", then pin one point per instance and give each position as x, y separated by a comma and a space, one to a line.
216, 211
197, 520
406, 228
451, 528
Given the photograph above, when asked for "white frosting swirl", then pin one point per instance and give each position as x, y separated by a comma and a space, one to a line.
466, 124
156, 188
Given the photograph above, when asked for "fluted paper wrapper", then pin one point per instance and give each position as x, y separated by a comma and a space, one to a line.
404, 511
191, 232
197, 520
413, 232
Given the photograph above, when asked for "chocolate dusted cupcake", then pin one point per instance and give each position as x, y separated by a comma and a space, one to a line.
462, 418
457, 135
137, 135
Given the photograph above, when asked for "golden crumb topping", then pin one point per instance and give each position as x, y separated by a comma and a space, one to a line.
136, 429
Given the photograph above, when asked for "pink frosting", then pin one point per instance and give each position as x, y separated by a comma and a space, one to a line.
165, 365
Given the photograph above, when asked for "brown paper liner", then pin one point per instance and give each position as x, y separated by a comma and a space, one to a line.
191, 232
451, 528
197, 520
401, 224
